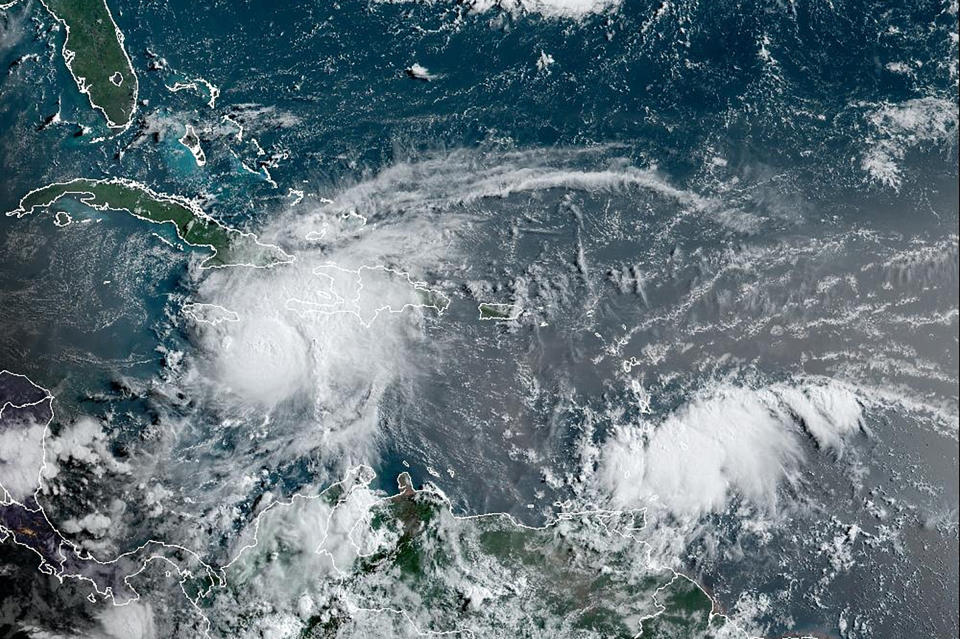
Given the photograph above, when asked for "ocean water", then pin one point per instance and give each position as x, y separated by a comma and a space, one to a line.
731, 229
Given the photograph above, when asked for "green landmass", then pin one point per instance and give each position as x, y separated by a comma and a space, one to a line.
230, 247
433, 299
354, 562
93, 51
584, 576
497, 311
686, 613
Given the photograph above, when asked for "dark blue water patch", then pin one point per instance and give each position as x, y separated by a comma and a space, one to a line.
675, 90
392, 462
884, 469
81, 303
666, 90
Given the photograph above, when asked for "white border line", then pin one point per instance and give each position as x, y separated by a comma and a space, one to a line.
69, 55
192, 206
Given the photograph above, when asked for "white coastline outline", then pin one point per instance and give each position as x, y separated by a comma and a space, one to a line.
229, 118
212, 89
190, 310
84, 197
59, 572
360, 475
518, 311
356, 474
66, 221
68, 56
355, 301
195, 150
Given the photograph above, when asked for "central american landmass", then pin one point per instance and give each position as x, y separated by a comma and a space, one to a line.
230, 247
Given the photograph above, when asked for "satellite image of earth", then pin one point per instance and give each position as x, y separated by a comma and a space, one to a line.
560, 319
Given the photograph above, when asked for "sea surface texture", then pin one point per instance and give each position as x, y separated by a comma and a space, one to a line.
559, 319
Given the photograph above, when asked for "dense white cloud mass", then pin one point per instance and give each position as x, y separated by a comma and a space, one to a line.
21, 456
131, 621
570, 9
278, 379
342, 323
94, 523
728, 441
828, 412
659, 294
302, 353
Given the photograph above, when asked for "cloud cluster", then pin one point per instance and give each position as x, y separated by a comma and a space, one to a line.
567, 9
729, 441
82, 441
896, 128
21, 454
460, 178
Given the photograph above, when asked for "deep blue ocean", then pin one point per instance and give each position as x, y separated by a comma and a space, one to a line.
789, 211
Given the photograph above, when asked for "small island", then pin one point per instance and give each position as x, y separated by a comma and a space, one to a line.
94, 54
194, 227
500, 312
191, 141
